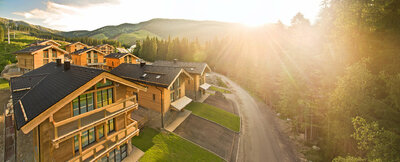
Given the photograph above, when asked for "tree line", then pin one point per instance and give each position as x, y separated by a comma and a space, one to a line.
337, 81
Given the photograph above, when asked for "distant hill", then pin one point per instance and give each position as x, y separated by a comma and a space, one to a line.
128, 33
162, 28
25, 24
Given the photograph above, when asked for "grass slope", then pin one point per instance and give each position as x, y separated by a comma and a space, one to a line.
130, 38
169, 147
213, 88
7, 50
222, 117
4, 84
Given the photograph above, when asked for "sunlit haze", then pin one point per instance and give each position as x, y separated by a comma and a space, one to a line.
91, 14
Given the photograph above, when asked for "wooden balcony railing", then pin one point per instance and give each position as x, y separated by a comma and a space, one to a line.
129, 131
91, 119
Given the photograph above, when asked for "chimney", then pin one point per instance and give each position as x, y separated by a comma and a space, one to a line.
142, 63
58, 61
175, 61
67, 65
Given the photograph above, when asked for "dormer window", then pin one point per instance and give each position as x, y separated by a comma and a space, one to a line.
144, 75
158, 76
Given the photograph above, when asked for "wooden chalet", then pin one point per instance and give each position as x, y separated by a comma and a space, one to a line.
105, 48
34, 57
165, 86
45, 42
75, 113
194, 88
75, 47
88, 57
115, 59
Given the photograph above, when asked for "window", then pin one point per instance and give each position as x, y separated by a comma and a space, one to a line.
76, 143
101, 131
111, 125
95, 58
179, 93
89, 58
123, 151
125, 59
104, 97
54, 54
172, 97
88, 137
130, 59
82, 104
101, 84
45, 54
112, 63
154, 97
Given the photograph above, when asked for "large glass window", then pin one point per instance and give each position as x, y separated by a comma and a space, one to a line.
89, 58
125, 59
101, 131
45, 54
95, 58
76, 143
104, 97
54, 54
88, 137
82, 104
111, 125
101, 84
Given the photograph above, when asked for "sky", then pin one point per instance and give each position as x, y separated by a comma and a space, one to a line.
68, 15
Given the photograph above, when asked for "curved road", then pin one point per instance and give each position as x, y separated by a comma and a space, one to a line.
260, 137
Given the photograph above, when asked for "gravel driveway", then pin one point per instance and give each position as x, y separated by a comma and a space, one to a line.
261, 138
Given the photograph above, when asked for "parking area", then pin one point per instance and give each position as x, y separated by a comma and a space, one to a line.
209, 135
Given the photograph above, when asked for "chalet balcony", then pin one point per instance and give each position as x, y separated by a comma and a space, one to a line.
68, 128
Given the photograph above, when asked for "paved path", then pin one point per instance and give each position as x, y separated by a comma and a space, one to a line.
178, 120
260, 138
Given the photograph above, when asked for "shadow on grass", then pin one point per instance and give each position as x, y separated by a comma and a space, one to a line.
145, 139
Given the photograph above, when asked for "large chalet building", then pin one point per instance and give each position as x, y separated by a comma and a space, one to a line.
197, 87
105, 48
165, 86
88, 57
33, 57
76, 113
115, 59
72, 47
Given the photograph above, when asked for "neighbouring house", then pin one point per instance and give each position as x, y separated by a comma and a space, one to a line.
75, 113
88, 57
115, 59
105, 48
194, 88
34, 57
122, 50
75, 47
165, 87
45, 42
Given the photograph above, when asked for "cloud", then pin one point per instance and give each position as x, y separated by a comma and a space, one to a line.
92, 14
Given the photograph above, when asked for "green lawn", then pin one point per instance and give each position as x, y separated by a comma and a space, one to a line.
213, 88
222, 117
169, 147
4, 84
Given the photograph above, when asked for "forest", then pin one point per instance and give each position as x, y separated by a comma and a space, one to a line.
337, 80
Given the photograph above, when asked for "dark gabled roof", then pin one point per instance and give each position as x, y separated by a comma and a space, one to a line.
46, 86
134, 72
190, 67
30, 49
78, 52
42, 41
118, 55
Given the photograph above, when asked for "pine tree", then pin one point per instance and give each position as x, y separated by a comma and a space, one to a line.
1, 33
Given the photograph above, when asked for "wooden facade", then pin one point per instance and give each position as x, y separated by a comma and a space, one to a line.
92, 123
112, 63
193, 86
157, 95
105, 48
90, 57
75, 46
36, 59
